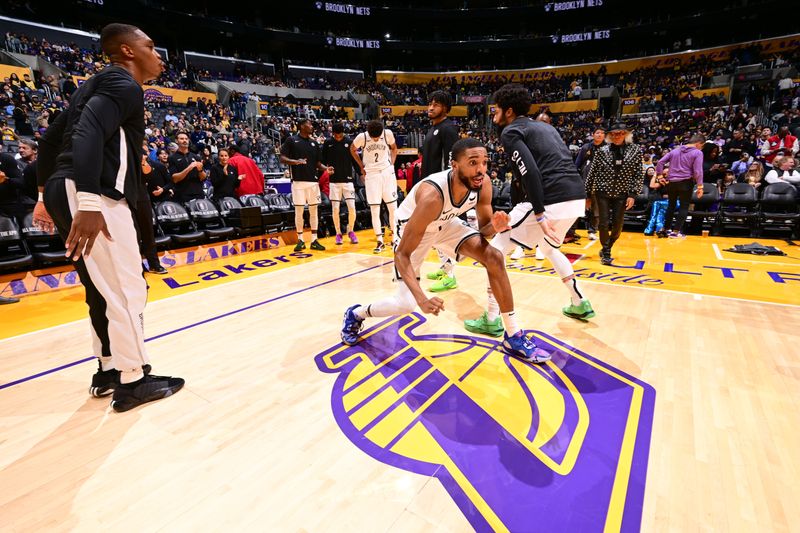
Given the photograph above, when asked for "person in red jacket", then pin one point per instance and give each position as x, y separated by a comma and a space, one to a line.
325, 183
413, 173
253, 180
783, 140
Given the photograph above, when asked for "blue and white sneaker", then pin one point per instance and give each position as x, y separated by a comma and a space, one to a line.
519, 345
351, 326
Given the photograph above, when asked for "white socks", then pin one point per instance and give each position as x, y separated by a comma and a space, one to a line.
493, 309
401, 303
298, 221
510, 323
336, 221
351, 221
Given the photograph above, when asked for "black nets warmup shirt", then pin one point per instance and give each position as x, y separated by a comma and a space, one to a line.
436, 148
337, 154
97, 141
542, 163
298, 147
191, 186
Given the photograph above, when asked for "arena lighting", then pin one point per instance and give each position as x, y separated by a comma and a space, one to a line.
388, 36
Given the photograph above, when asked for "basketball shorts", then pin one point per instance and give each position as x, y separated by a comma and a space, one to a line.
381, 186
305, 192
526, 232
448, 240
342, 191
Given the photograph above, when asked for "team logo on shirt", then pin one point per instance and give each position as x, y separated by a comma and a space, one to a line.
436, 132
561, 446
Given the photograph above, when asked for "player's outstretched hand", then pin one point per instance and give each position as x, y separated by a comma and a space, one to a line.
86, 226
549, 232
432, 305
500, 221
42, 219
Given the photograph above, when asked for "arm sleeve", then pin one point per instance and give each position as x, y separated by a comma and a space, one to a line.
663, 161
698, 169
325, 156
449, 139
771, 177
100, 119
637, 178
49, 147
172, 167
581, 156
216, 177
525, 168
12, 171
591, 177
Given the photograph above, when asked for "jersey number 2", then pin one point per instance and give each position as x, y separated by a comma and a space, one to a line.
377, 155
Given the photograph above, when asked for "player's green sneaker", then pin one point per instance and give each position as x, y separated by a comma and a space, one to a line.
437, 275
581, 312
299, 246
444, 284
483, 326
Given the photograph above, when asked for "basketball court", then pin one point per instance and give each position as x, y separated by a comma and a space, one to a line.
675, 409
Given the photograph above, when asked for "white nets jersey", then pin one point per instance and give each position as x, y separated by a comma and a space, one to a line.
450, 210
376, 155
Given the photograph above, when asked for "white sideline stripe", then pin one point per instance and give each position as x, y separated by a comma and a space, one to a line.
636, 287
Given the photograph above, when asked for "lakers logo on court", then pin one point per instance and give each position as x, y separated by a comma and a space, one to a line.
519, 447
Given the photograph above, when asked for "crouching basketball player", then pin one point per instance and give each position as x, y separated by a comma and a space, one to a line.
428, 218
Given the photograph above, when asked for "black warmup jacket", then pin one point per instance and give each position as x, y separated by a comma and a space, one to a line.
541, 163
97, 142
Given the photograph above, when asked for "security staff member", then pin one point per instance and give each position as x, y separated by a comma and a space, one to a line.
436, 150
187, 171
336, 153
302, 154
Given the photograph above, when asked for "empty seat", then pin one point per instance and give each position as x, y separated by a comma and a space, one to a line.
206, 218
162, 241
255, 200
704, 208
176, 223
227, 204
14, 254
246, 220
778, 207
739, 208
47, 248
638, 214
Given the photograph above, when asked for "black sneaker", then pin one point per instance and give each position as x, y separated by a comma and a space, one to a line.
299, 246
315, 245
6, 300
158, 270
379, 248
148, 389
105, 381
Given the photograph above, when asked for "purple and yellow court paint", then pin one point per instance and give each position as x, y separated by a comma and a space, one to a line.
557, 447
